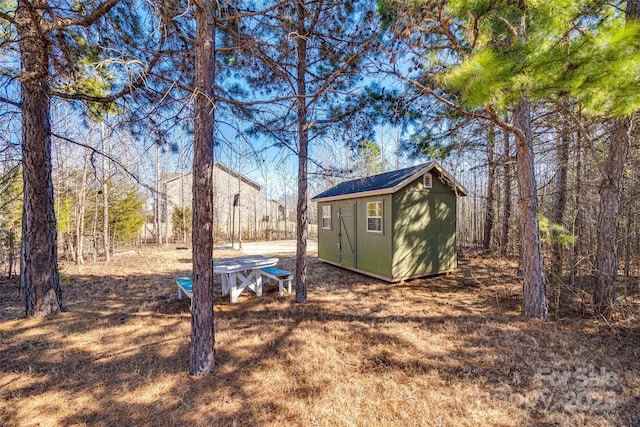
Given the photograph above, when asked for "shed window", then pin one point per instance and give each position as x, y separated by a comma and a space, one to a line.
427, 181
326, 217
374, 217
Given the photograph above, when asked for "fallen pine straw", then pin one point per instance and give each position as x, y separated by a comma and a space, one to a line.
443, 351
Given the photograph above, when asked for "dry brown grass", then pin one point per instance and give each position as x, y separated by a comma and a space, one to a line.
444, 351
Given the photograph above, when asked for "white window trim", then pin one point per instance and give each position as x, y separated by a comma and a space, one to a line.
376, 216
326, 217
427, 180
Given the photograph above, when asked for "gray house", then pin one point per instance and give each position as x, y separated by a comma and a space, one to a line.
239, 206
393, 226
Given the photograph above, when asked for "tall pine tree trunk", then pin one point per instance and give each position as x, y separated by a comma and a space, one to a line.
105, 197
559, 207
303, 140
11, 243
156, 196
604, 291
94, 232
490, 213
183, 207
578, 218
39, 257
506, 216
202, 359
82, 192
627, 240
534, 288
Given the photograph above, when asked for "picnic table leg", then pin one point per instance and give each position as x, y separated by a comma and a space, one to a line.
226, 283
258, 283
234, 289
281, 285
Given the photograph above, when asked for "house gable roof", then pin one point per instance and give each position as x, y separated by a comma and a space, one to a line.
237, 175
387, 183
173, 176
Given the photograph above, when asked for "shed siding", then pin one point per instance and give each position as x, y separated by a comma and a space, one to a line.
418, 235
328, 238
375, 249
424, 229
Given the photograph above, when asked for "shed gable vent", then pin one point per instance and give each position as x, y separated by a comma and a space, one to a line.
427, 180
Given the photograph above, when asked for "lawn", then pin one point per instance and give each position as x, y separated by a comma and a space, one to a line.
450, 350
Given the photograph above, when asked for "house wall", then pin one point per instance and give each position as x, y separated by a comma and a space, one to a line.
424, 229
255, 216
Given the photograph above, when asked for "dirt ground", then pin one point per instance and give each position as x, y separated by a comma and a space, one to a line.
443, 351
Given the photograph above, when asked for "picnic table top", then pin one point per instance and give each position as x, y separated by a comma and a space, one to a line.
240, 263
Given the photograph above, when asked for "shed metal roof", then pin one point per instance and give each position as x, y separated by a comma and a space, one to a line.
387, 183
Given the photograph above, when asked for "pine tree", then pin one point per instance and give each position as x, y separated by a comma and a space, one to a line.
72, 52
604, 292
491, 180
304, 56
125, 212
493, 58
202, 359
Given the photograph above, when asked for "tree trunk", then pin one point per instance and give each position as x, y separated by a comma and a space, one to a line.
39, 257
82, 192
559, 207
95, 229
627, 242
202, 359
637, 247
105, 198
182, 206
490, 213
239, 206
11, 237
633, 10
506, 217
303, 134
156, 196
577, 220
604, 291
534, 287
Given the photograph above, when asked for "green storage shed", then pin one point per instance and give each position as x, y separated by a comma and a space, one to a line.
394, 226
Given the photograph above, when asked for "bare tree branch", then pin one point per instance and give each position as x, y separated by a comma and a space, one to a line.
107, 156
9, 101
85, 21
7, 17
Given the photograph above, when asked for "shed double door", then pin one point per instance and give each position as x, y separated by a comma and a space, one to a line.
347, 236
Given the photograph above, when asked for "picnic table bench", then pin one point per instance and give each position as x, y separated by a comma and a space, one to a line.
280, 275
185, 287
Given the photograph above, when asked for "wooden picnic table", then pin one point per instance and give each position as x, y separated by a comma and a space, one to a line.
240, 273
